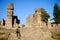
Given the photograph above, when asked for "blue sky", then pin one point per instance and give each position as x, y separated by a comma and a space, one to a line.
22, 8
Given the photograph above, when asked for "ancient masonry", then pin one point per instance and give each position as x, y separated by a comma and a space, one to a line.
35, 19
11, 21
33, 25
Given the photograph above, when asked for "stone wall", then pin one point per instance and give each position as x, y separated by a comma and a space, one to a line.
54, 29
34, 19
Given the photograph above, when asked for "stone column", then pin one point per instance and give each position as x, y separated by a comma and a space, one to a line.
9, 16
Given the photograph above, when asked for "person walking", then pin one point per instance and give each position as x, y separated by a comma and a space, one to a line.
18, 32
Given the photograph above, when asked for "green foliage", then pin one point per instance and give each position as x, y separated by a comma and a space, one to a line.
44, 15
56, 13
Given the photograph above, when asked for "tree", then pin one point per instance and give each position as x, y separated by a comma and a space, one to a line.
44, 15
56, 13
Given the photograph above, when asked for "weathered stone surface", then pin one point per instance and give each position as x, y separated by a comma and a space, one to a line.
12, 37
9, 25
34, 33
35, 29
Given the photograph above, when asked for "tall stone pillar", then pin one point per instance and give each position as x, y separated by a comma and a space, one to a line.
9, 15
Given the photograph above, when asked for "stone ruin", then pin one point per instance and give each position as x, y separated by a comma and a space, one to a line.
34, 26
34, 20
9, 25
